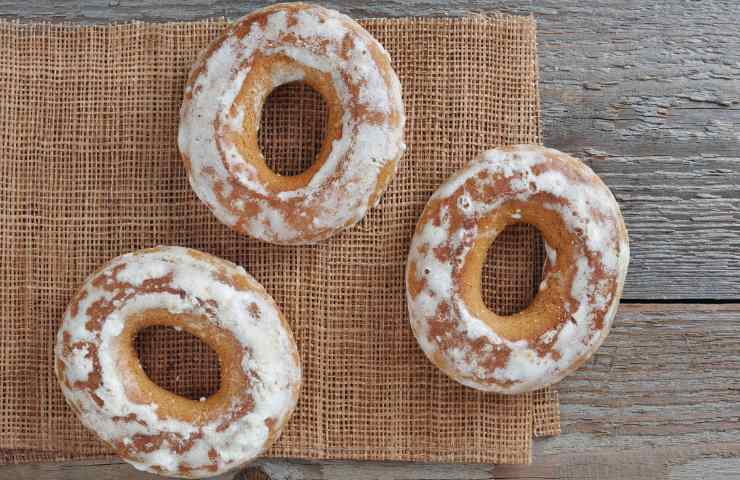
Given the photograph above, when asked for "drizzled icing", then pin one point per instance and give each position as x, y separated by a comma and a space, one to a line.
147, 435
360, 161
508, 182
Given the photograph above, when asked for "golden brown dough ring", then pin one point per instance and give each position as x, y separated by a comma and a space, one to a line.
221, 110
588, 254
152, 428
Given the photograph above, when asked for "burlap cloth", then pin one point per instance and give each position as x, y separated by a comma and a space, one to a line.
89, 170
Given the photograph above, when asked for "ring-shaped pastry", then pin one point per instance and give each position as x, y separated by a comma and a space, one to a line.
220, 118
148, 426
570, 316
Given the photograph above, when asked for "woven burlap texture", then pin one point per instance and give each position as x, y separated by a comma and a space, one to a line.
90, 170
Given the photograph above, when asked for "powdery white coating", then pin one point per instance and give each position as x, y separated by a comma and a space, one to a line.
269, 360
81, 366
338, 194
585, 205
552, 254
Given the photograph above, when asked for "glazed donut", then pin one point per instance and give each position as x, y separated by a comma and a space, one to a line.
152, 428
570, 316
220, 118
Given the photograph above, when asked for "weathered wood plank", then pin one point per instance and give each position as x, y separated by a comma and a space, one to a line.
647, 92
659, 400
82, 470
721, 468
664, 384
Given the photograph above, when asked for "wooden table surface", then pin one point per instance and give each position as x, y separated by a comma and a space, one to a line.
648, 93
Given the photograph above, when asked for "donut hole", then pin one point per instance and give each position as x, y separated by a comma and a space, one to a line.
513, 269
178, 361
292, 128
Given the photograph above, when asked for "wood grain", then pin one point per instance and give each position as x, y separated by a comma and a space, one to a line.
648, 93
658, 400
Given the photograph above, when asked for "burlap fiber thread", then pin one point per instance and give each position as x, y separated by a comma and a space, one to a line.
89, 170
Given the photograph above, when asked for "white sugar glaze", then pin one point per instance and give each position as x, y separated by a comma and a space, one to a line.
340, 191
269, 361
584, 204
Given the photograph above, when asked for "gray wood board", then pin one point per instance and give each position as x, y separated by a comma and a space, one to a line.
658, 400
648, 93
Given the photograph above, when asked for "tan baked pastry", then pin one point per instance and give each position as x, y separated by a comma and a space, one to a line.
152, 428
587, 258
220, 117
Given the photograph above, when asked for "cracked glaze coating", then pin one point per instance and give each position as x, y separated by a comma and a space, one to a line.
587, 257
152, 428
220, 118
